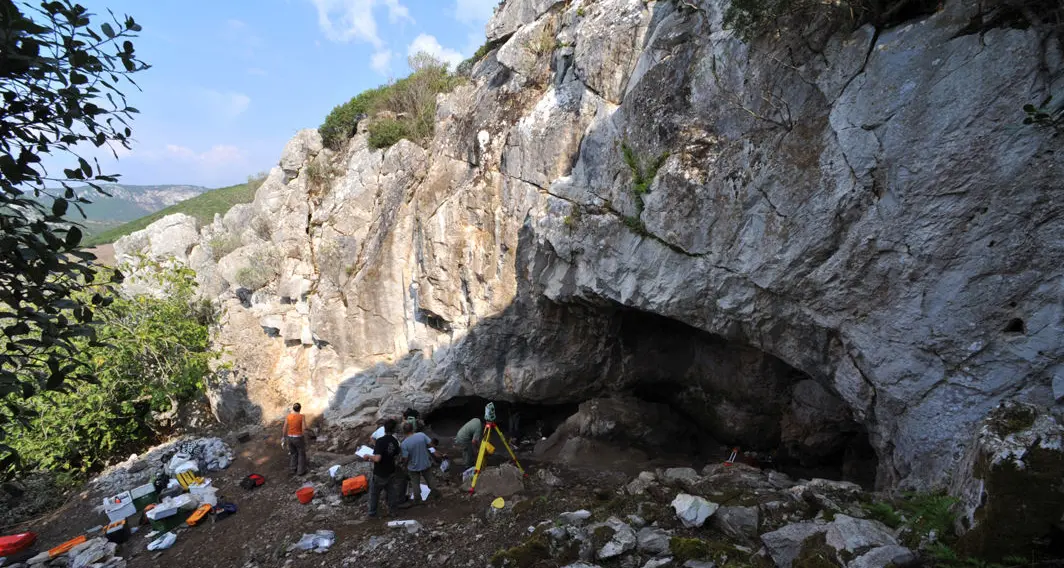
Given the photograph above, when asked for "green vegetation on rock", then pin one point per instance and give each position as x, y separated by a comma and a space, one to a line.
533, 552
61, 84
684, 549
152, 355
202, 207
403, 109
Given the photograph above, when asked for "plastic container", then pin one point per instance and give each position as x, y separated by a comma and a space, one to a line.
305, 495
117, 532
16, 543
166, 523
143, 496
119, 506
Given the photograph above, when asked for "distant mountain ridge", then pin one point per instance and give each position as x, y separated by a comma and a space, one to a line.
127, 203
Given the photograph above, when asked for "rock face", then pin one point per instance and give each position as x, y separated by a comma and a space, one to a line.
846, 234
1009, 488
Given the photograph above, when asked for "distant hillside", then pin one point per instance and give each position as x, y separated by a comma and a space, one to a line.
202, 207
129, 202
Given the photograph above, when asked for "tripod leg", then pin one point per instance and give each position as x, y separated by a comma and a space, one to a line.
480, 460
507, 444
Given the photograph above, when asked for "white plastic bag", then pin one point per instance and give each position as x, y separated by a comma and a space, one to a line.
163, 542
320, 541
333, 470
445, 465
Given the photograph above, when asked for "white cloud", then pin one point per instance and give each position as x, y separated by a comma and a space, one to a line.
218, 156
474, 12
430, 45
346, 20
381, 62
258, 72
224, 105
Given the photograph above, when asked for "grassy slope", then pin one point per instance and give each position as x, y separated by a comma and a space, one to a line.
202, 207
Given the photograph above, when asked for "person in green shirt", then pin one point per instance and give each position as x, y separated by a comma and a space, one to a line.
468, 439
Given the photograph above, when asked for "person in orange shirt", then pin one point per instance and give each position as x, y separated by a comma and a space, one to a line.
292, 437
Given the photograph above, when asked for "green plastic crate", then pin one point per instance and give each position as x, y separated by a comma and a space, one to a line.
169, 523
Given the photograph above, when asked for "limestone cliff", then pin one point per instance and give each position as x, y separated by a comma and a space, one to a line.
786, 241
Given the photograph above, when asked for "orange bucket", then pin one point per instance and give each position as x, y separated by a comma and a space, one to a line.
305, 495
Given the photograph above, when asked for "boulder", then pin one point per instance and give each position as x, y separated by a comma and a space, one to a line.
684, 477
640, 484
548, 478
737, 522
653, 540
844, 538
1009, 483
884, 556
169, 238
622, 539
785, 543
91, 552
302, 147
502, 481
575, 518
658, 562
693, 510
850, 535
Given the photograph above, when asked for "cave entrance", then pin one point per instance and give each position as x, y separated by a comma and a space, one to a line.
736, 395
631, 383
524, 424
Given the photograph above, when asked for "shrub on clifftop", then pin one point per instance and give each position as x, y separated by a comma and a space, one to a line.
409, 106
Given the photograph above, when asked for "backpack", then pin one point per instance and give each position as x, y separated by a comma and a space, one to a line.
224, 510
252, 481
354, 486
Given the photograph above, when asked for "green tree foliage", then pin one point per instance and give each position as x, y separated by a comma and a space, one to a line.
60, 82
340, 125
407, 107
153, 353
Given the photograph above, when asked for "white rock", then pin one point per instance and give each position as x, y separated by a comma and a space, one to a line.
693, 510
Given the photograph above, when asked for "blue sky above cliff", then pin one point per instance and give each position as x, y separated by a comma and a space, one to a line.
233, 80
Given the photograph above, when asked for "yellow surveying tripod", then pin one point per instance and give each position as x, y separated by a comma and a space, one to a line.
489, 427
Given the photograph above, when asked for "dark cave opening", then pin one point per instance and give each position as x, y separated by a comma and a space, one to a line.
736, 395
524, 423
628, 383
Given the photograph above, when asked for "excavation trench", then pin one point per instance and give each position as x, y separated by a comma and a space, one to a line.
658, 389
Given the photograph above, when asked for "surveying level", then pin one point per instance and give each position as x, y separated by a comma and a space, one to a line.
489, 427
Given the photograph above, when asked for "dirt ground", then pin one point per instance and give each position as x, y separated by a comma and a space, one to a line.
457, 530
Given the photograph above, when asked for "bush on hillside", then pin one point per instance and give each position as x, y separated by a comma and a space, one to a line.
410, 100
155, 355
387, 131
340, 124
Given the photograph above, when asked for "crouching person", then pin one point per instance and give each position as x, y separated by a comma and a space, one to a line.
386, 450
415, 448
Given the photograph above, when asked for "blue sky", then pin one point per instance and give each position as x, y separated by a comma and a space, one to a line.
233, 80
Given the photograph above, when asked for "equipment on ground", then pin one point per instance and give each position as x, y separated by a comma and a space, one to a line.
731, 459
354, 486
489, 427
16, 543
252, 481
